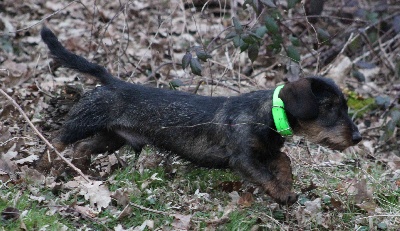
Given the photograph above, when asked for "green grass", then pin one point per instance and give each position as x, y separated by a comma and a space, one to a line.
32, 215
154, 189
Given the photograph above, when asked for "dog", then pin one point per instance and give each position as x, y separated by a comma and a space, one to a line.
215, 132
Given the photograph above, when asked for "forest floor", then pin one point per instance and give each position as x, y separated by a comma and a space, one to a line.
355, 43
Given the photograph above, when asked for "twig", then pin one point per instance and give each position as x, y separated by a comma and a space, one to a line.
338, 55
388, 62
41, 136
41, 20
379, 215
376, 48
217, 37
198, 86
151, 42
150, 210
316, 37
153, 73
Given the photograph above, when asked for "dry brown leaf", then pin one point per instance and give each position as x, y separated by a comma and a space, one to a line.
22, 225
246, 200
368, 206
336, 204
122, 195
363, 193
230, 186
85, 211
125, 213
181, 222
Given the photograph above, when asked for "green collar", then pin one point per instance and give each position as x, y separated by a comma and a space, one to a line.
279, 114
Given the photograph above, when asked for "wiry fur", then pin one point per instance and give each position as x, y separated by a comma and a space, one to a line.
215, 132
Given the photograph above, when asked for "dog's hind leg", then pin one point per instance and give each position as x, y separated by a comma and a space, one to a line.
100, 143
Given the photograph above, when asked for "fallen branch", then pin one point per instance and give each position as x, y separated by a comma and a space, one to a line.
41, 136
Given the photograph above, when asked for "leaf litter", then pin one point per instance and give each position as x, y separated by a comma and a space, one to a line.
131, 49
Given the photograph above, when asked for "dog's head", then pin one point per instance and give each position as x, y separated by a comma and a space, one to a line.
318, 110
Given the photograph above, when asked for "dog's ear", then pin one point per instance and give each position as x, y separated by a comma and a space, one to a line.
299, 99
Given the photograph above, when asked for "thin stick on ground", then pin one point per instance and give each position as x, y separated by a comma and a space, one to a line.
41, 136
149, 210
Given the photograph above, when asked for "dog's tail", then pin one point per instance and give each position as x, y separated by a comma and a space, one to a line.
70, 60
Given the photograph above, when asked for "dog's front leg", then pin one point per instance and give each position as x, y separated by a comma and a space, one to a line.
274, 176
282, 181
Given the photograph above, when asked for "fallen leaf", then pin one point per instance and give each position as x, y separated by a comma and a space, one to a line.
246, 200
122, 195
85, 211
368, 206
313, 207
230, 186
125, 213
37, 198
336, 204
181, 222
363, 193
309, 188
97, 194
32, 175
29, 159
234, 197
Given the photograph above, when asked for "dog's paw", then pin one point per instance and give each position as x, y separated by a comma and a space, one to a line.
281, 192
287, 199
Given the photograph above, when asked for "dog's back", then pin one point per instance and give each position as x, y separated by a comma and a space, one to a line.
139, 115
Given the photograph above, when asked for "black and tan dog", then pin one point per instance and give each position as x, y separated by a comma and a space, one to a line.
215, 132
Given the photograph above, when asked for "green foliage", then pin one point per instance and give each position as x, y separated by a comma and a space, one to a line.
194, 62
294, 40
392, 124
323, 35
359, 105
251, 39
269, 3
174, 84
236, 24
271, 25
292, 3
186, 60
240, 221
253, 52
247, 39
195, 66
37, 217
293, 54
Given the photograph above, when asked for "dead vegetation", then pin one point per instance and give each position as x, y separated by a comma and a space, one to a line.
354, 42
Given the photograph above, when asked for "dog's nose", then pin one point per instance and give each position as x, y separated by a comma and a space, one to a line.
356, 137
